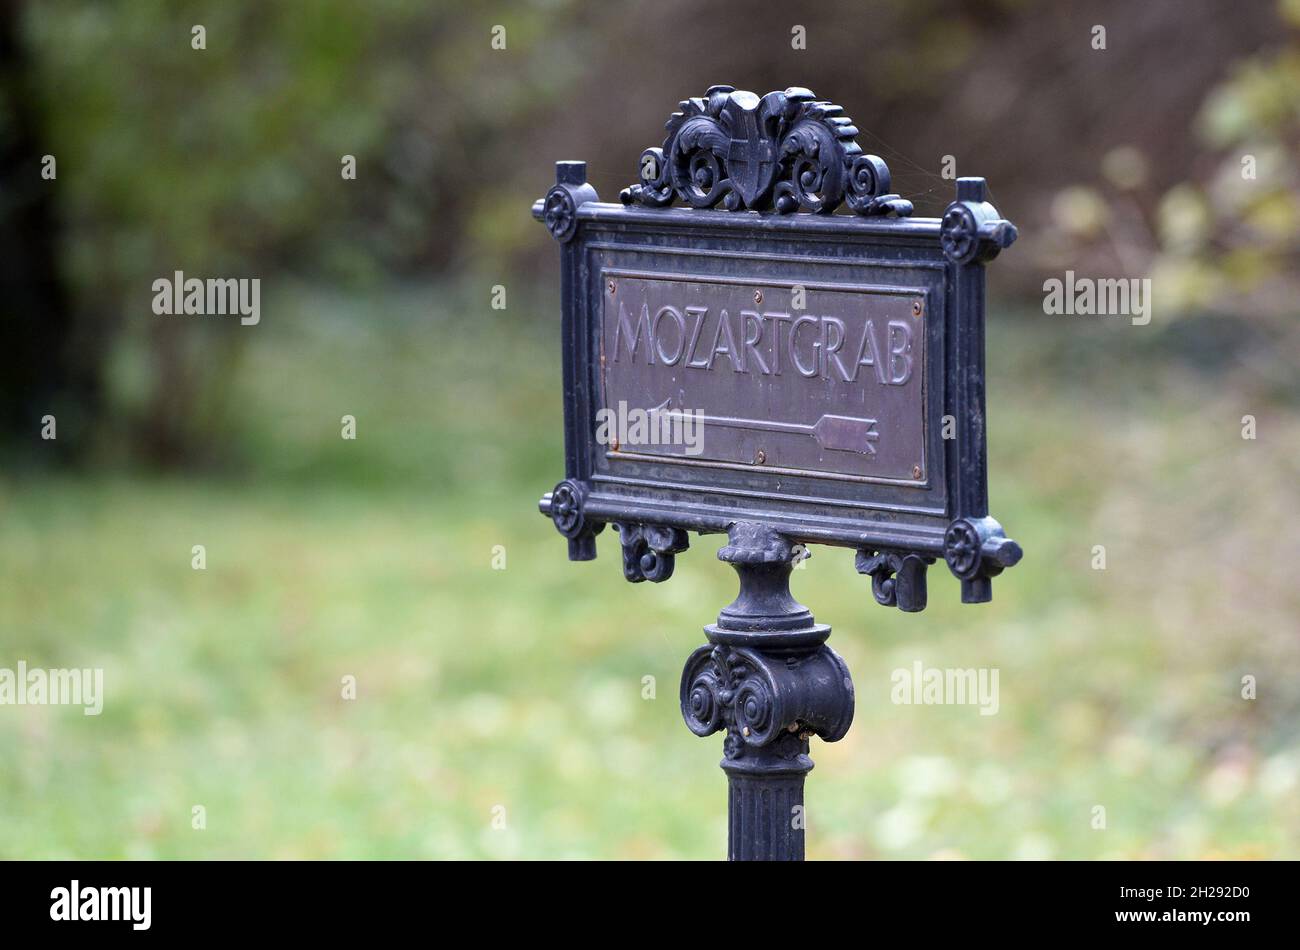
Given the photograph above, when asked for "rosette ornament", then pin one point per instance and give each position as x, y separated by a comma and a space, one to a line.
565, 505
976, 550
559, 209
972, 231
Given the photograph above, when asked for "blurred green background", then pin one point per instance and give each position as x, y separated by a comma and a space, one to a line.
500, 713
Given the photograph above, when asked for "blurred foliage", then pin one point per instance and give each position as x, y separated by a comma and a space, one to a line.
226, 161
1236, 236
229, 157
1226, 238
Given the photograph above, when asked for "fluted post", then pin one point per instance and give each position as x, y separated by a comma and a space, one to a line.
768, 679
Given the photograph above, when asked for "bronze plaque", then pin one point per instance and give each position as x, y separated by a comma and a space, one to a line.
812, 379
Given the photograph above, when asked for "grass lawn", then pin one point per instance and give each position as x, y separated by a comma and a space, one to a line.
501, 713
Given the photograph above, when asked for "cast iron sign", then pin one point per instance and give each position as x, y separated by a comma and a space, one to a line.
739, 365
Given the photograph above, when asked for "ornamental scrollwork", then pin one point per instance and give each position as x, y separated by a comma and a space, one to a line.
897, 578
731, 689
772, 703
787, 151
649, 551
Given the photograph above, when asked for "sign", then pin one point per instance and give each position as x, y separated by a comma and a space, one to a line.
824, 380
753, 357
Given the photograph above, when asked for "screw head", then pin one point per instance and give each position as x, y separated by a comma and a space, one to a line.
916, 308
916, 471
758, 296
760, 457
609, 285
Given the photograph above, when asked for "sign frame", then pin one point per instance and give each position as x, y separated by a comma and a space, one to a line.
763, 161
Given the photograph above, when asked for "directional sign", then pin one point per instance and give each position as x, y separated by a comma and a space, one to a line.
738, 360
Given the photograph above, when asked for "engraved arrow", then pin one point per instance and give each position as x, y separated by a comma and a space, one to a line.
841, 433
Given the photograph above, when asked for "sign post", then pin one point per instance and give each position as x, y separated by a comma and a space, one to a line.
755, 365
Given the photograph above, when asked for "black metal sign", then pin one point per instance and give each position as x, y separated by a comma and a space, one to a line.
821, 374
737, 366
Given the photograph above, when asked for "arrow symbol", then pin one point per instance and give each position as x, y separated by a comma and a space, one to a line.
840, 433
